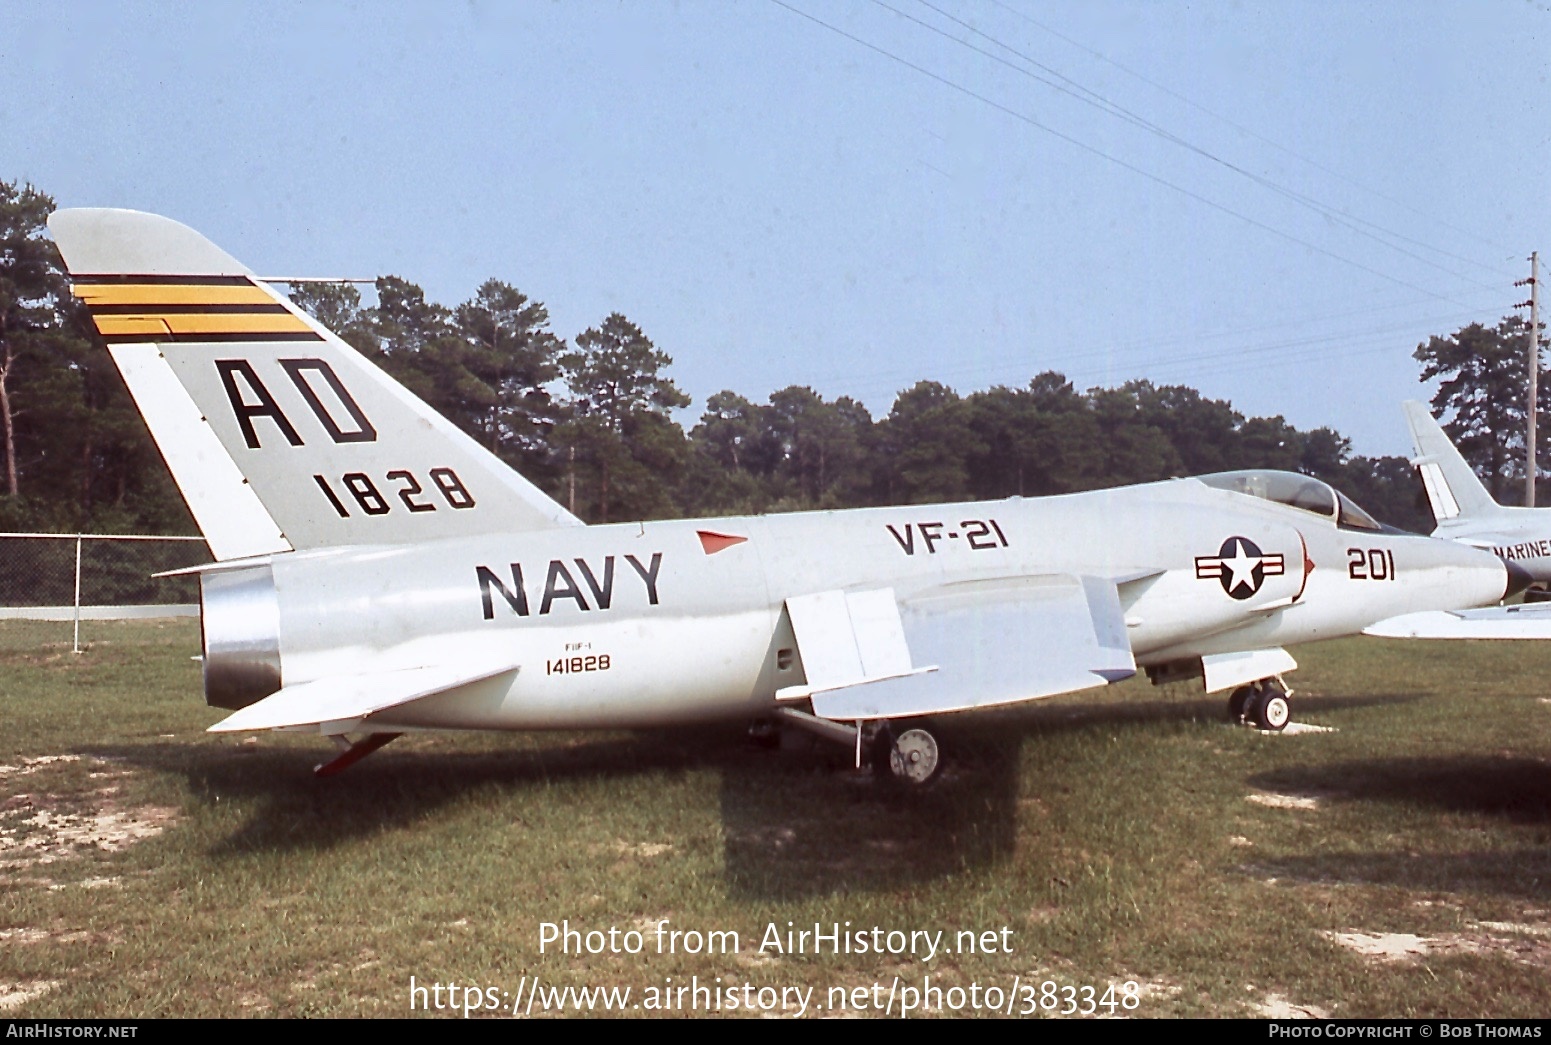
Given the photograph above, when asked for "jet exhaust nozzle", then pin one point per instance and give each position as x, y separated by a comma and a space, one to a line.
240, 625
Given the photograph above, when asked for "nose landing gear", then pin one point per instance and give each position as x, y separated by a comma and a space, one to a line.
1261, 705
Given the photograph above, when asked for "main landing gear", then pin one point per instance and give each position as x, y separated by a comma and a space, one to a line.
907, 754
1262, 705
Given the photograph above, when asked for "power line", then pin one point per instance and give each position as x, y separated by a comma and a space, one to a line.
1340, 343
1114, 159
1247, 130
1249, 331
1106, 105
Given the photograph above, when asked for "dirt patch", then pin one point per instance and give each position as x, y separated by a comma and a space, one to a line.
14, 995
1386, 946
1276, 1007
100, 883
1276, 801
1121, 997
1523, 943
1516, 927
41, 827
1149, 990
23, 936
48, 835
647, 849
32, 765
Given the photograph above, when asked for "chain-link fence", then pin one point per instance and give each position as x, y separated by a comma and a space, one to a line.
55, 588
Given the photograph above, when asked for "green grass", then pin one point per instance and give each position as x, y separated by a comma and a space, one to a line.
1112, 833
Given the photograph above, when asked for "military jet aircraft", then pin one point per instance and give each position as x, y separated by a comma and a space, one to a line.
1464, 508
379, 571
1466, 512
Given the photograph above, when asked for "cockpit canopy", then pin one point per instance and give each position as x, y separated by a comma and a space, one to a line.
1296, 491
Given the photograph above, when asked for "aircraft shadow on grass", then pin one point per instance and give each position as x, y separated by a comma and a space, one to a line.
1507, 788
764, 796
293, 810
795, 822
1524, 873
811, 824
1513, 788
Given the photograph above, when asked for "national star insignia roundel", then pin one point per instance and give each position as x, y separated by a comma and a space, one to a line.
1240, 566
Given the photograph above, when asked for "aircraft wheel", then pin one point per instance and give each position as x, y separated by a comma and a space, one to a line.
912, 758
879, 749
1268, 708
765, 734
1238, 700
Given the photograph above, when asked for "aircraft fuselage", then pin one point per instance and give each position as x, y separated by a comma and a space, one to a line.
645, 624
1520, 535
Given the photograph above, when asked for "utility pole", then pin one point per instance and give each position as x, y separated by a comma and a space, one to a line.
1534, 374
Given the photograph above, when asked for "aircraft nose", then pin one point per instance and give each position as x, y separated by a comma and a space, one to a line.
1518, 579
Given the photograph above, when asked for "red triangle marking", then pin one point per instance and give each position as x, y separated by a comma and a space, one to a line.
714, 542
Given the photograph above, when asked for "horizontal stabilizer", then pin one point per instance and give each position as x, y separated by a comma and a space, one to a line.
1532, 620
996, 642
347, 699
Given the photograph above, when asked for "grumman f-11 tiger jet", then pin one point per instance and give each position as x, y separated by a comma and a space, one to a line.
378, 571
1466, 512
1463, 506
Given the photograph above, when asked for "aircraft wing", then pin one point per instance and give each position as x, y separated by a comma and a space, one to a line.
350, 698
961, 646
1532, 620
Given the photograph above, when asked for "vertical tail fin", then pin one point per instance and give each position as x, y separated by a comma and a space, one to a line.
1452, 488
278, 434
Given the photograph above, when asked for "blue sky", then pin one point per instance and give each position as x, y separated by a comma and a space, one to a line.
1271, 202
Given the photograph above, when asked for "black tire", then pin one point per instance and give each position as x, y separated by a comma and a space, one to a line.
1269, 709
1238, 700
879, 749
1275, 712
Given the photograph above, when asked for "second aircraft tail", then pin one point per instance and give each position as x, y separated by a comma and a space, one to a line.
1453, 489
